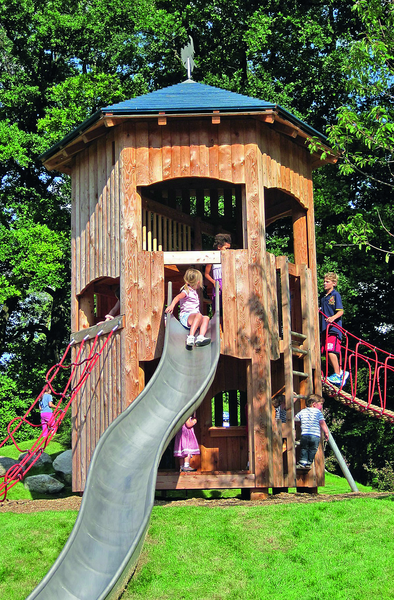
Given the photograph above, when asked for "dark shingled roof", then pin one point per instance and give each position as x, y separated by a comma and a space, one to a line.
188, 97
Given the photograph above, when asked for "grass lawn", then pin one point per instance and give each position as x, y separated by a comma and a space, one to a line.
340, 550
329, 550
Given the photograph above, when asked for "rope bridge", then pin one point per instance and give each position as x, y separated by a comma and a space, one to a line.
367, 363
63, 402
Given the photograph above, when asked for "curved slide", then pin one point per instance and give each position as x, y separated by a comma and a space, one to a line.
101, 553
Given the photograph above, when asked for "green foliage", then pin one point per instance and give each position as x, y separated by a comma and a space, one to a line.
381, 479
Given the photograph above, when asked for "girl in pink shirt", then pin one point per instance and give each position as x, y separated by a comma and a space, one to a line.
190, 315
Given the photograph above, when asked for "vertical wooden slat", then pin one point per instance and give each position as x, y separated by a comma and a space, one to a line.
194, 150
160, 220
144, 306
109, 205
115, 271
165, 235
158, 293
101, 183
75, 243
213, 152
237, 152
144, 232
93, 237
149, 231
179, 225
307, 327
186, 201
131, 245
225, 164
205, 143
200, 202
273, 322
154, 232
242, 292
155, 152
142, 153
277, 452
175, 153
185, 148
214, 201
166, 152
84, 223
229, 304
282, 264
169, 234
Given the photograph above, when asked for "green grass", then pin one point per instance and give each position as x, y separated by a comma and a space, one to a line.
339, 550
18, 491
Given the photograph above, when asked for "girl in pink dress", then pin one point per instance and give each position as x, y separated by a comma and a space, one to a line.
190, 316
186, 444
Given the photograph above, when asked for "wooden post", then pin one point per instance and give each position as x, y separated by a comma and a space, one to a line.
259, 376
130, 202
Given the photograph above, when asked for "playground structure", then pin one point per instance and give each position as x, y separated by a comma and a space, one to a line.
373, 366
153, 180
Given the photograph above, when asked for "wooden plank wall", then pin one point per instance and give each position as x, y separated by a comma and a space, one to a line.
99, 402
96, 212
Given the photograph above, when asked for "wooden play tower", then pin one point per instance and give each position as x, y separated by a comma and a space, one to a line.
153, 180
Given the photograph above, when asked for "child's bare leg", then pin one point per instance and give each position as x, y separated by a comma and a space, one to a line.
204, 325
334, 361
194, 322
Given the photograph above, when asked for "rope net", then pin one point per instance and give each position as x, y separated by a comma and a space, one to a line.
79, 371
371, 374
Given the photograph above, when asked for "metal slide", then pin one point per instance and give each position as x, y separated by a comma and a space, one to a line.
105, 543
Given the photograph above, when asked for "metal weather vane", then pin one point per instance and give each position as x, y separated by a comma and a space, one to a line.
187, 54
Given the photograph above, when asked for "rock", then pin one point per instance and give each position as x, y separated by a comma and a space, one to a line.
63, 466
43, 484
42, 465
6, 463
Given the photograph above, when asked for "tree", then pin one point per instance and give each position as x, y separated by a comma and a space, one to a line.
364, 132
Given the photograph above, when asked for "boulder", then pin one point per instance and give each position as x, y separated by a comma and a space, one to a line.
42, 465
6, 463
63, 466
43, 484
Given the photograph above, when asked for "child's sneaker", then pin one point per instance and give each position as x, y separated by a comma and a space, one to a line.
335, 379
301, 465
187, 469
190, 342
345, 376
202, 341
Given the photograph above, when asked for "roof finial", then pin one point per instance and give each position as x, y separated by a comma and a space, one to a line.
187, 54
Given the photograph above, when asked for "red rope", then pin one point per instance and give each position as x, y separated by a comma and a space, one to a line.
65, 398
355, 354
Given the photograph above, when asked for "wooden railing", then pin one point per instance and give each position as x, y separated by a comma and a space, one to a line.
163, 233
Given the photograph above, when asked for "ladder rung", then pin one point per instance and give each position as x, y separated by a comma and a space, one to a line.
298, 335
300, 374
296, 350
